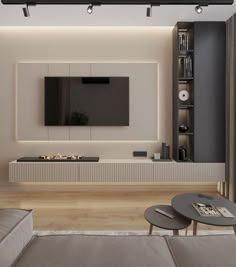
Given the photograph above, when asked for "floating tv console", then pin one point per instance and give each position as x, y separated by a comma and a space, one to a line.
116, 171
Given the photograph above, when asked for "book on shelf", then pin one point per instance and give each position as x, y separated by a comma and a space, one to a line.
183, 41
185, 67
206, 210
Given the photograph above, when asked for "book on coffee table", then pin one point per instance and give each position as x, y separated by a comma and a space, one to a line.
205, 209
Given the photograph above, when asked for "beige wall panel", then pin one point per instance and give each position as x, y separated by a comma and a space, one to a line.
58, 133
30, 101
58, 69
80, 133
143, 101
80, 69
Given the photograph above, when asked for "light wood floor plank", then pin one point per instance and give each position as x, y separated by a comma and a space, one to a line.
89, 210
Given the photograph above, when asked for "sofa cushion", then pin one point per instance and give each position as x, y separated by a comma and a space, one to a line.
15, 233
204, 251
96, 251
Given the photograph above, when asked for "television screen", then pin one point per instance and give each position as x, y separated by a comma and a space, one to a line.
86, 101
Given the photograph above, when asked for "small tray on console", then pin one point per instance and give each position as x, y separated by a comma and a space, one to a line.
37, 159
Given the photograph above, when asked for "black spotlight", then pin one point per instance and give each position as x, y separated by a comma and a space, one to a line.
90, 9
198, 9
149, 11
26, 11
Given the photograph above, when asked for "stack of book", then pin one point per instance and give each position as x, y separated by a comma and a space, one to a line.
183, 41
186, 67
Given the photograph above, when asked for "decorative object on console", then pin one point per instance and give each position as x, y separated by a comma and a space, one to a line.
182, 153
165, 151
183, 128
183, 95
59, 158
157, 156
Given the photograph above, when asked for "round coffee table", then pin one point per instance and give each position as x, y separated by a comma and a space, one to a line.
183, 205
162, 221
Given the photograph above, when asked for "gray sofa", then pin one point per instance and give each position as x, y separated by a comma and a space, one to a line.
19, 248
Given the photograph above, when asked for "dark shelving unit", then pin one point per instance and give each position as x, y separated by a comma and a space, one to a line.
183, 74
199, 80
185, 106
183, 79
187, 133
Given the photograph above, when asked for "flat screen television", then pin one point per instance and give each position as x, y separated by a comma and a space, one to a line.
86, 101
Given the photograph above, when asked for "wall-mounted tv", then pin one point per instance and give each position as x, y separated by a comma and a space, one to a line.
86, 101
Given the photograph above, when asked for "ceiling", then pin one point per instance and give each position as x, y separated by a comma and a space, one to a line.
76, 15
159, 2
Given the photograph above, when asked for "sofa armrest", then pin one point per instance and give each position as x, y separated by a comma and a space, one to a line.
204, 251
15, 232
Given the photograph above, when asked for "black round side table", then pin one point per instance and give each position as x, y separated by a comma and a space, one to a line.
159, 220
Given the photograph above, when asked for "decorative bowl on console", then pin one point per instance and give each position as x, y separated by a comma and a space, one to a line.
60, 157
183, 128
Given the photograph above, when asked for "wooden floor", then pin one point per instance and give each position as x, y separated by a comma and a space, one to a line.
88, 210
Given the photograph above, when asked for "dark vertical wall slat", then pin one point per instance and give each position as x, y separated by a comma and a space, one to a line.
209, 91
175, 84
230, 168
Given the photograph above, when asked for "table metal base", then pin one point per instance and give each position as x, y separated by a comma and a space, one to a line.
150, 229
195, 228
175, 232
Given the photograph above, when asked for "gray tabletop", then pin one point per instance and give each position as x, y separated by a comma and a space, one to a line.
162, 221
183, 205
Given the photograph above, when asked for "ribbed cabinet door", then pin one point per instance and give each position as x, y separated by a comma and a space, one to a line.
43, 172
116, 172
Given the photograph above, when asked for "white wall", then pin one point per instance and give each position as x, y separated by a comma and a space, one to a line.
81, 44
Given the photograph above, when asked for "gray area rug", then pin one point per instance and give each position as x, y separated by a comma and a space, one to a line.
159, 232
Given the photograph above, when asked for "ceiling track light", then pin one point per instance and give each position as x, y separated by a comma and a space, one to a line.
198, 9
26, 11
149, 11
90, 7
